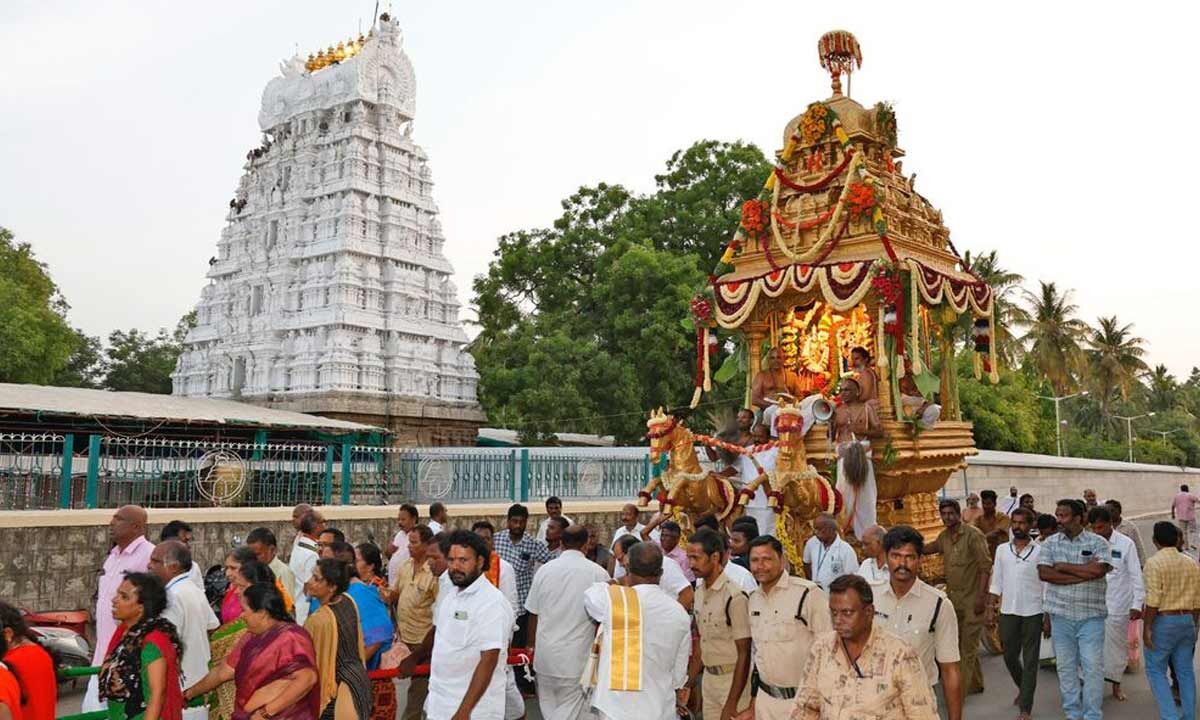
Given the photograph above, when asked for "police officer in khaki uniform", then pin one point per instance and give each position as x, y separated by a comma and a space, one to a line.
920, 615
723, 619
786, 613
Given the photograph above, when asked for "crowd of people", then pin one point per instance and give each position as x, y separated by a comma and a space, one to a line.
651, 624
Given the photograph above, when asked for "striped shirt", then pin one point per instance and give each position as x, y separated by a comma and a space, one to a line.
1077, 601
1172, 581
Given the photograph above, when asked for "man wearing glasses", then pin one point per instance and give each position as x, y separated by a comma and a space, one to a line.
860, 670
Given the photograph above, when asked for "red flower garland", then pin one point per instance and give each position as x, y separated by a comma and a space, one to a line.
753, 217
818, 185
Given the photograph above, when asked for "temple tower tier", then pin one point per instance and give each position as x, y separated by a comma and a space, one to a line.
330, 292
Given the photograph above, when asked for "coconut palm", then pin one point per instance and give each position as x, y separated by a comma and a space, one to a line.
1161, 389
1009, 314
1114, 358
1053, 337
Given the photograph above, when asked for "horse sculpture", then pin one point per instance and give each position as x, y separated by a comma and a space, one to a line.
795, 489
688, 491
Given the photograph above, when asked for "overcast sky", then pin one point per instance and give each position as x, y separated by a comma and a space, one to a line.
1060, 134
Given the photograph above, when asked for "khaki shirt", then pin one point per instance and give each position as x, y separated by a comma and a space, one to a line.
966, 558
417, 590
910, 617
995, 531
888, 682
719, 632
781, 642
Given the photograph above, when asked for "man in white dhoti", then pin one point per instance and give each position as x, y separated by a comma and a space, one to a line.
1124, 596
645, 640
853, 425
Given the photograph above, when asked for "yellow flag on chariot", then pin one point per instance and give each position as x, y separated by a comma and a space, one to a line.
625, 665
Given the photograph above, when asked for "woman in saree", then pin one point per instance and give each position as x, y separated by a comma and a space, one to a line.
140, 674
368, 562
242, 570
273, 666
345, 691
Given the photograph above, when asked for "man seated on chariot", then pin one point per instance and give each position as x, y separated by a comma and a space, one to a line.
770, 383
913, 403
868, 381
853, 425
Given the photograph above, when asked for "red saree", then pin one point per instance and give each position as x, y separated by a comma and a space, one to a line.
259, 660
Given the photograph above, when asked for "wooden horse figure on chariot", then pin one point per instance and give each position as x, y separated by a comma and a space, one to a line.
684, 489
795, 490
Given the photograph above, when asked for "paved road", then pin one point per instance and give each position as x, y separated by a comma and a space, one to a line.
995, 703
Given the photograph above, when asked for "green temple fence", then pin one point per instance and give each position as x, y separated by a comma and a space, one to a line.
46, 471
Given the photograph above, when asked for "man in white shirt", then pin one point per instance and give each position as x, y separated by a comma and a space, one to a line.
630, 525
504, 578
560, 629
553, 510
1124, 596
397, 550
298, 512
642, 669
304, 560
671, 579
181, 531
438, 518
1015, 580
1010, 503
470, 646
874, 567
188, 610
827, 556
740, 576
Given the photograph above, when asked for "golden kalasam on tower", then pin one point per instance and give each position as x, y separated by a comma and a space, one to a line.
840, 251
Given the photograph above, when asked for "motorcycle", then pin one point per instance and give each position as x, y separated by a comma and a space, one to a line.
63, 634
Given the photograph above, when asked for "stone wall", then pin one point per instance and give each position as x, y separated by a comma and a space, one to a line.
1142, 489
49, 559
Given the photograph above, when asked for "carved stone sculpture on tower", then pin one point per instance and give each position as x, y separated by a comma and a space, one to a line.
332, 252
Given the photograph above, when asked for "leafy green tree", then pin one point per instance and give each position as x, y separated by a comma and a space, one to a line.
35, 339
1053, 337
85, 366
580, 322
139, 362
1114, 358
1162, 390
1008, 416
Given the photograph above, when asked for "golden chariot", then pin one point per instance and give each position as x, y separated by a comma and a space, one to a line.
838, 251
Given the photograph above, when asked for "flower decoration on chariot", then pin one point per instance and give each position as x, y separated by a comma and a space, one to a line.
814, 123
861, 199
754, 217
702, 310
885, 123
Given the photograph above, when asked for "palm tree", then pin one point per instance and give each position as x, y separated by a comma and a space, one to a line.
1009, 314
1114, 358
1162, 390
1053, 337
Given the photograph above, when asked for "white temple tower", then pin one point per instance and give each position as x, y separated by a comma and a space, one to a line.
329, 292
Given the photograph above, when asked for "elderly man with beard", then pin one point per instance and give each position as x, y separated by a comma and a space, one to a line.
920, 615
470, 647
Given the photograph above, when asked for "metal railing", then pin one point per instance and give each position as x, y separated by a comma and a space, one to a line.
99, 471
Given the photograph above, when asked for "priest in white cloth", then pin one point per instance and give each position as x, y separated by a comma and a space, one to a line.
853, 425
645, 639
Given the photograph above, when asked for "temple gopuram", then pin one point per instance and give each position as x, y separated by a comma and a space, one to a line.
330, 293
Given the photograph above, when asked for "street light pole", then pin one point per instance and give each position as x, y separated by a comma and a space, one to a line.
1058, 417
1164, 433
1129, 429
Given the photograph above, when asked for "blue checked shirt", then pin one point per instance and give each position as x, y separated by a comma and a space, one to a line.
524, 556
1081, 600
